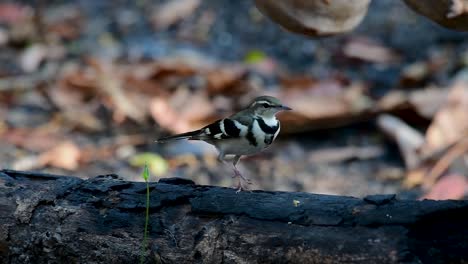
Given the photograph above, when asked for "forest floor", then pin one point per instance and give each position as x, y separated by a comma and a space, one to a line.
87, 86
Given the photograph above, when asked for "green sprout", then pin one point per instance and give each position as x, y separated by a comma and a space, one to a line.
146, 176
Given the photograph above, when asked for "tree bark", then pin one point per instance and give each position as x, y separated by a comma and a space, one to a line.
61, 219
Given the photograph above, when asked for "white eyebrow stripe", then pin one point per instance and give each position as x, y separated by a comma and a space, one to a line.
261, 102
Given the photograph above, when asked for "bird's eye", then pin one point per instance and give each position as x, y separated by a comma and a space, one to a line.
266, 105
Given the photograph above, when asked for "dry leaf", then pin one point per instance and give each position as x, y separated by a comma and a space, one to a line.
172, 12
300, 82
326, 104
368, 50
112, 84
182, 112
427, 102
223, 80
71, 98
451, 122
448, 158
451, 186
409, 140
445, 139
414, 177
33, 140
66, 155
452, 14
166, 116
315, 17
414, 74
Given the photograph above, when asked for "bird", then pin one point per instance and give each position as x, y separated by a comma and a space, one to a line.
244, 133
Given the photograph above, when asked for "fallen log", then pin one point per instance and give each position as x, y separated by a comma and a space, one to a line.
61, 219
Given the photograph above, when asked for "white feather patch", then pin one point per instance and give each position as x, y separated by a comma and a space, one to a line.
243, 129
258, 133
270, 121
277, 131
221, 126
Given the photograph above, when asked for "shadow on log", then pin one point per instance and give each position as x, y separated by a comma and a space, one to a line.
60, 219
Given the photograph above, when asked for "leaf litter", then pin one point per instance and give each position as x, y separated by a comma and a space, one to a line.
106, 108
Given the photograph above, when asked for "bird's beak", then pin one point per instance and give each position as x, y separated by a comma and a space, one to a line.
283, 107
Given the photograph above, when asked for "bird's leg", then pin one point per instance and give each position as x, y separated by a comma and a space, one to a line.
221, 158
238, 174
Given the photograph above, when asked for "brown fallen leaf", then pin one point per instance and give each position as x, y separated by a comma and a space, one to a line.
298, 82
173, 11
442, 165
65, 155
182, 112
414, 74
224, 80
409, 140
315, 17
325, 104
371, 51
451, 186
166, 116
340, 154
71, 96
427, 102
452, 14
33, 140
171, 68
112, 85
446, 138
451, 122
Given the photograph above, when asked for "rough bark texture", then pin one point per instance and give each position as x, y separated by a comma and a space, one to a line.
60, 219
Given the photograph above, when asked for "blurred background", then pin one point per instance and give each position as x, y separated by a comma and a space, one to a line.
87, 86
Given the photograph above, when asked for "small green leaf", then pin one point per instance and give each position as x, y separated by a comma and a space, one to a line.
296, 203
254, 56
145, 173
157, 165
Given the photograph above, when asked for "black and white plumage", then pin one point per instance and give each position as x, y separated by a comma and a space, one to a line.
244, 133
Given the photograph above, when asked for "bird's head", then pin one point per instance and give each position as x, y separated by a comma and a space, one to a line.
267, 106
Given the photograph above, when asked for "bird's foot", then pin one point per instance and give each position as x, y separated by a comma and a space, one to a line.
241, 186
242, 181
238, 174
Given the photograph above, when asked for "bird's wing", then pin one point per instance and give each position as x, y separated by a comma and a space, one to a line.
227, 128
234, 126
244, 118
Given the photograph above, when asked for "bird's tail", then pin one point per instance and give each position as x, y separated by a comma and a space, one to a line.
187, 135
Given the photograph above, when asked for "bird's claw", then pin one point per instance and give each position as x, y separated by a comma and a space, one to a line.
240, 185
